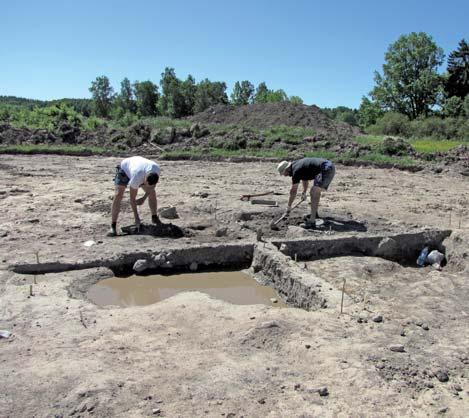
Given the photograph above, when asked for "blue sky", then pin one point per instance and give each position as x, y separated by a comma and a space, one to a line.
323, 51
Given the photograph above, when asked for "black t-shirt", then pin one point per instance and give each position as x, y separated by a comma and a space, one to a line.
306, 169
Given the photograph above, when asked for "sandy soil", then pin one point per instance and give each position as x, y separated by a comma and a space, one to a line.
191, 355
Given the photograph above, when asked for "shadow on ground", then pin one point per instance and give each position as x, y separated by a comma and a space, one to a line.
162, 230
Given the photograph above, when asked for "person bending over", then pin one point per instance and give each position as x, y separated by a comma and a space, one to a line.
135, 172
320, 170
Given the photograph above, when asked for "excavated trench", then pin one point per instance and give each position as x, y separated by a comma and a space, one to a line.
284, 265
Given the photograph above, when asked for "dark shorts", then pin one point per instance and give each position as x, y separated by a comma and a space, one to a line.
324, 178
120, 179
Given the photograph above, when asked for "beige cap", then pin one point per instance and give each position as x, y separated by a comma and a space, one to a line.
282, 167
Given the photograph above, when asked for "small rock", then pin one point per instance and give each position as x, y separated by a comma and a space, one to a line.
3, 234
402, 334
398, 348
308, 346
442, 375
443, 410
89, 243
457, 387
297, 386
79, 200
169, 212
323, 391
5, 334
273, 300
221, 232
425, 327
261, 401
377, 318
156, 411
268, 324
380, 366
194, 266
140, 265
159, 259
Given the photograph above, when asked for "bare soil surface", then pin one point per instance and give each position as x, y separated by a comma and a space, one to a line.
191, 355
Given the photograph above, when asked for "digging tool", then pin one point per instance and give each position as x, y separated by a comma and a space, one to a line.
273, 224
247, 197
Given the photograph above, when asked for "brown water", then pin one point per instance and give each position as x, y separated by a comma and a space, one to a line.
235, 287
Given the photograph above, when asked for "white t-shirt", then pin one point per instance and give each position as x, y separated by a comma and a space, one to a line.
136, 168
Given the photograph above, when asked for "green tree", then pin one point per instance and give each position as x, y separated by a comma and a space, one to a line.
369, 112
146, 94
102, 93
126, 98
457, 83
189, 90
466, 105
452, 107
410, 83
210, 93
274, 96
242, 93
295, 100
261, 93
172, 101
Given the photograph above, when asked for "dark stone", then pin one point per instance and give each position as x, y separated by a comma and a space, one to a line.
323, 391
442, 375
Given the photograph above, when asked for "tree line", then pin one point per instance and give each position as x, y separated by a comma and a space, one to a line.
411, 85
175, 98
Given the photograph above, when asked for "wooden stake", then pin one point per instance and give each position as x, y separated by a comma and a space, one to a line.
342, 301
31, 290
296, 258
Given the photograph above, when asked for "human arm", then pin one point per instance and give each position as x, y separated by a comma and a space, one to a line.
293, 192
305, 189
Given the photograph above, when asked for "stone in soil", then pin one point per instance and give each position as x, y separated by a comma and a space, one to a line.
397, 348
378, 318
442, 375
323, 391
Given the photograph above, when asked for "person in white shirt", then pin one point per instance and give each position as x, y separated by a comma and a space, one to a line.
135, 172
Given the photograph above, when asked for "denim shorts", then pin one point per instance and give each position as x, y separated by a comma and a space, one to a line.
324, 178
120, 179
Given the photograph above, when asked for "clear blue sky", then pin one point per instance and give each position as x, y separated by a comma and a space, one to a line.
323, 51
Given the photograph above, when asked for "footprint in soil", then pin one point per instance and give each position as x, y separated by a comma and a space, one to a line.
162, 230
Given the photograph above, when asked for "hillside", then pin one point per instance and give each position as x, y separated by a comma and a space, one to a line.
267, 115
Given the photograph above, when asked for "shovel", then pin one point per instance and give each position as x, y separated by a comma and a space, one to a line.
245, 197
273, 224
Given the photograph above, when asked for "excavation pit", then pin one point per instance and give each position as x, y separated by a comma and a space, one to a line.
235, 287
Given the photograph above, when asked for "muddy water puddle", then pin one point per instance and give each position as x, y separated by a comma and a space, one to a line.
234, 287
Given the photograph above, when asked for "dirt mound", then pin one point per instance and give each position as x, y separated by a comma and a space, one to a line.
266, 115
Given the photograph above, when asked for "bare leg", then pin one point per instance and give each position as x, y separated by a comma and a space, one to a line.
152, 203
315, 197
116, 203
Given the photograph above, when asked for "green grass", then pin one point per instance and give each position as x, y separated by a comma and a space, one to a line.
54, 149
428, 145
161, 122
377, 158
432, 145
288, 134
224, 153
329, 155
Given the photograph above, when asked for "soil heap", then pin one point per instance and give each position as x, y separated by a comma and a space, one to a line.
266, 115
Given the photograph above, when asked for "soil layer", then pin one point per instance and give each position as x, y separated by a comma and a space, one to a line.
398, 349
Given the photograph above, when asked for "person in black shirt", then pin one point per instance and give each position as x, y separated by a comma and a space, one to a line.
318, 169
